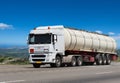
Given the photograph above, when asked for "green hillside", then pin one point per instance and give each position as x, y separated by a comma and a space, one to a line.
118, 52
14, 52
14, 56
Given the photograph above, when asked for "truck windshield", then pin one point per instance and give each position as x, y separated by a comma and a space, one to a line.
39, 38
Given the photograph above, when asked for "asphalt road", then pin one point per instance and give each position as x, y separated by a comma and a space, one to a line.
83, 74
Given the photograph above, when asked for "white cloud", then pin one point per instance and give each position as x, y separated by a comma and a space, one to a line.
98, 31
117, 37
111, 33
5, 26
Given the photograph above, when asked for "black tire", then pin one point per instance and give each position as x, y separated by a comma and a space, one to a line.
73, 62
84, 63
36, 65
99, 59
52, 65
88, 63
62, 65
57, 62
104, 59
79, 61
108, 62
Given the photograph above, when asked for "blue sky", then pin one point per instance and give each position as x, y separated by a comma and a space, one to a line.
18, 17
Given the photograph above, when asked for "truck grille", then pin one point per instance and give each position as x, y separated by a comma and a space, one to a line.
38, 59
38, 56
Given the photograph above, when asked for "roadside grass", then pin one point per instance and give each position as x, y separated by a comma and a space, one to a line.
19, 62
118, 59
13, 60
4, 58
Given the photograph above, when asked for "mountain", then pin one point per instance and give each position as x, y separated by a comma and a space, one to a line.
21, 51
118, 52
13, 46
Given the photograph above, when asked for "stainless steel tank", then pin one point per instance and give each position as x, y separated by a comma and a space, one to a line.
78, 40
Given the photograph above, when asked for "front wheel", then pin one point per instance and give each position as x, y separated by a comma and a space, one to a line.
57, 62
36, 65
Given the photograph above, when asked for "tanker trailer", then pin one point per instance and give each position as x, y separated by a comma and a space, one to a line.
60, 46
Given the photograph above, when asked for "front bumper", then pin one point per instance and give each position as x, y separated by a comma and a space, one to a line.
41, 58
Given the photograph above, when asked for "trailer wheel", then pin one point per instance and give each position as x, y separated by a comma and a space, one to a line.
104, 59
57, 62
36, 65
79, 61
108, 62
98, 59
73, 61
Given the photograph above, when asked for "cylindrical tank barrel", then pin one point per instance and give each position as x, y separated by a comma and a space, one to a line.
79, 40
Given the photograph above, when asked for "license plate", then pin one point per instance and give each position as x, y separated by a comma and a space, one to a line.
38, 62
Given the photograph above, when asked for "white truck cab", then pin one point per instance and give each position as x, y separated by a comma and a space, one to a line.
44, 45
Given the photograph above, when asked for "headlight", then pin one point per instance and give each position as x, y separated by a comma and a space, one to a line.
46, 50
31, 51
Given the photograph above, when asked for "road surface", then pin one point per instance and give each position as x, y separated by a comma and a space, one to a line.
83, 74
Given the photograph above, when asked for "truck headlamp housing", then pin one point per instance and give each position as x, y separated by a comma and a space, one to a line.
31, 51
46, 50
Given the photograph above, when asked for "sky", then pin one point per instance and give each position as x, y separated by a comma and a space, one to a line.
18, 17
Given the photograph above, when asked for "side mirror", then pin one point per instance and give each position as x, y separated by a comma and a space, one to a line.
54, 39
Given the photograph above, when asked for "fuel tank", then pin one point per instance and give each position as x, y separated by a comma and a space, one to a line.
79, 40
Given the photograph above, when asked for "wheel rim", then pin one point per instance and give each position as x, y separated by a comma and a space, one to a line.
105, 61
109, 61
73, 61
58, 62
79, 62
100, 60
